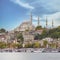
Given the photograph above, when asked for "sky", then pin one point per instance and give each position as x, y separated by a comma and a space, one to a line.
14, 12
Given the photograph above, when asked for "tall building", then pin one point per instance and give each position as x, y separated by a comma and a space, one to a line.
46, 23
52, 24
31, 18
32, 27
38, 21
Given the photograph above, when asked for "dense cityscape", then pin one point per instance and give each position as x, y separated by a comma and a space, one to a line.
30, 38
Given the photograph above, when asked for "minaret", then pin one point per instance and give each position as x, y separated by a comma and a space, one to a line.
46, 22
38, 21
31, 18
30, 28
52, 24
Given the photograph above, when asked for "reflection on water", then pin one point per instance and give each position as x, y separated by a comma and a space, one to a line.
29, 56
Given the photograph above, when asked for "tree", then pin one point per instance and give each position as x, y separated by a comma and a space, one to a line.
53, 45
14, 45
38, 37
27, 30
44, 33
55, 35
19, 45
2, 30
45, 43
3, 45
38, 28
20, 37
36, 45
28, 45
55, 32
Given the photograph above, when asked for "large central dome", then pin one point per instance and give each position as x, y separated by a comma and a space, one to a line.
25, 26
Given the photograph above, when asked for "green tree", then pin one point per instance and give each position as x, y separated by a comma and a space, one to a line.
19, 45
2, 30
44, 33
45, 42
28, 45
36, 45
3, 45
53, 45
55, 35
38, 37
20, 37
38, 28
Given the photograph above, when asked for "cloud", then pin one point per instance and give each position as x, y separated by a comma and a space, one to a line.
42, 8
55, 17
46, 6
25, 5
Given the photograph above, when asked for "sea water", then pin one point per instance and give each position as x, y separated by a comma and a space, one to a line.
29, 56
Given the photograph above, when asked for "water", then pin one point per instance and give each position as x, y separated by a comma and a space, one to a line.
29, 56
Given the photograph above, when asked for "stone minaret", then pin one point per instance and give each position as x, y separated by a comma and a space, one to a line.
30, 28
38, 21
52, 24
46, 22
31, 18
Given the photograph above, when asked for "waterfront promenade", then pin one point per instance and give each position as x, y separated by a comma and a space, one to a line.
31, 50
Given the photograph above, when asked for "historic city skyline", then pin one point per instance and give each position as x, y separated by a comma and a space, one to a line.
14, 12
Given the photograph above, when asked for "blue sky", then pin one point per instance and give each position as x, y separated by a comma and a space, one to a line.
14, 12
